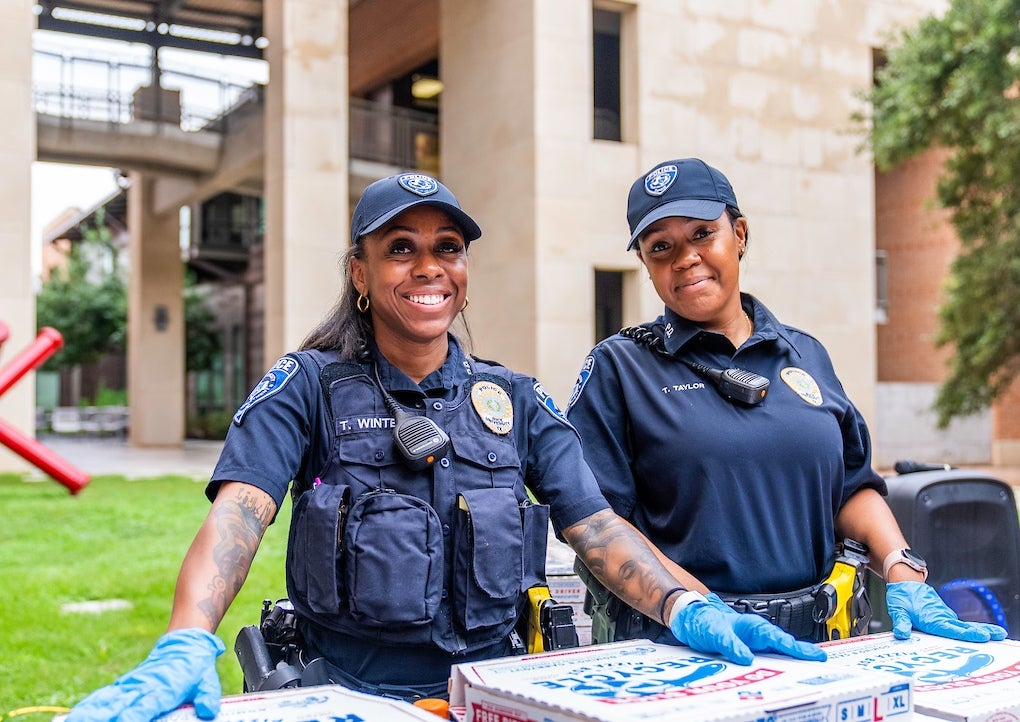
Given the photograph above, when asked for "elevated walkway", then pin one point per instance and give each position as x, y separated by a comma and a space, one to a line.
127, 145
160, 134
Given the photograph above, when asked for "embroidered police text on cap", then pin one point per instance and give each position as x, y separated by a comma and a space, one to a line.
385, 199
687, 187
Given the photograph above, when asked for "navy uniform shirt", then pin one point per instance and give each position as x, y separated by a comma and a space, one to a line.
743, 497
281, 433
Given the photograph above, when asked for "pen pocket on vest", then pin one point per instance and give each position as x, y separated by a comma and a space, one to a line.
314, 559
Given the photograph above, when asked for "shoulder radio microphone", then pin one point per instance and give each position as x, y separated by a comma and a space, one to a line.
419, 439
736, 384
732, 383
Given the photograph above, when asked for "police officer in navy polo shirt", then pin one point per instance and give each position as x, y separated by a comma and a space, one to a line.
413, 539
745, 478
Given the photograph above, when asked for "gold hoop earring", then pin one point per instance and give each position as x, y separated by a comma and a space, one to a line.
362, 303
467, 302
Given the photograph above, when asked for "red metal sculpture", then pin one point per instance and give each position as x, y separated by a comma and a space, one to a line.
45, 345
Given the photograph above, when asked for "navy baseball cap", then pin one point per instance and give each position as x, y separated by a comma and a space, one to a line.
387, 198
688, 187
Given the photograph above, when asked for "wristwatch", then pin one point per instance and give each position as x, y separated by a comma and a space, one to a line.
905, 556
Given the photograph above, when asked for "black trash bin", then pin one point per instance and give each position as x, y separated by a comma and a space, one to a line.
965, 525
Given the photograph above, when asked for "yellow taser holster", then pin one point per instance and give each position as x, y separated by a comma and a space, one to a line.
550, 624
842, 600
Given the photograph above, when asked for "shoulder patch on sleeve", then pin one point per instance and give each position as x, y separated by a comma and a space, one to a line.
548, 404
271, 384
582, 379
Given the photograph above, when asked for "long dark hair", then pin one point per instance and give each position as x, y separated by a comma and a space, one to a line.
345, 329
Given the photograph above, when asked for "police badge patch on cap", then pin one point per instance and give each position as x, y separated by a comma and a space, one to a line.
659, 180
418, 184
272, 383
801, 382
493, 406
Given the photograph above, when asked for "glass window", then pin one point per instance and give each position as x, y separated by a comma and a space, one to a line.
606, 73
608, 303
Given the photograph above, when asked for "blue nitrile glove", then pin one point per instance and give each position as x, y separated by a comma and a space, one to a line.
918, 605
712, 626
181, 668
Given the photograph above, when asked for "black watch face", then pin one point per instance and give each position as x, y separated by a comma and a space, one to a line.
915, 557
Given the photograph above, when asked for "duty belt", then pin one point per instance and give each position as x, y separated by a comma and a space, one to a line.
792, 611
835, 608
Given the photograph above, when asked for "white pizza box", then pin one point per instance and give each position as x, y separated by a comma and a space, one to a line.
309, 704
569, 589
639, 680
565, 587
559, 557
952, 680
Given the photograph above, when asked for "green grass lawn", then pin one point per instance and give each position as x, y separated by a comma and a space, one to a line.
117, 539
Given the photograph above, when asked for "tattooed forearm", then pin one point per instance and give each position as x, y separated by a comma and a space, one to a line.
239, 524
621, 559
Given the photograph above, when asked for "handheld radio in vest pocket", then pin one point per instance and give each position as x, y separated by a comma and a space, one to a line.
418, 439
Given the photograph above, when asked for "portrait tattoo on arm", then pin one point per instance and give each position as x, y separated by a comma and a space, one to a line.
622, 560
239, 524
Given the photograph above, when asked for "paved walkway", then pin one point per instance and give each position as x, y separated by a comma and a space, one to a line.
99, 457
197, 458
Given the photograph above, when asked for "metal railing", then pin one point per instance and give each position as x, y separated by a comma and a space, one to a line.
385, 134
394, 136
119, 110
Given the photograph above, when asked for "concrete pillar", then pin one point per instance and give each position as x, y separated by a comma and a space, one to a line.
488, 147
155, 341
17, 151
517, 149
306, 168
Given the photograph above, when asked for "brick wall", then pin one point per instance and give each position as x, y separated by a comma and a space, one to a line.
919, 246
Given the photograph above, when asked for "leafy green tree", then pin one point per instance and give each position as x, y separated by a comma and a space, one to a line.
86, 301
201, 340
952, 82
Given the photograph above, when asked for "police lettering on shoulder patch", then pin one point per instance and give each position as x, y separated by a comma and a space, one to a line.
272, 383
659, 180
801, 382
582, 378
547, 402
418, 184
492, 404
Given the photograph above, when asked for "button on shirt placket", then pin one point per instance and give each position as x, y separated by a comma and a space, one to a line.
443, 497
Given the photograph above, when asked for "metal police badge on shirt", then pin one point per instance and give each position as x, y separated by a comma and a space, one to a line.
493, 406
272, 383
801, 382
